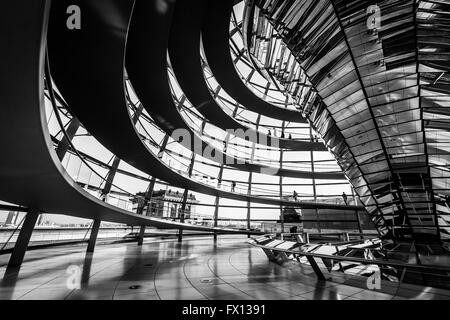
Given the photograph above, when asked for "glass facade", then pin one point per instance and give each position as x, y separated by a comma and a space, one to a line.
92, 165
377, 83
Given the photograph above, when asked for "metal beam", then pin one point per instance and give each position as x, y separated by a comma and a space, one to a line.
110, 177
358, 218
64, 144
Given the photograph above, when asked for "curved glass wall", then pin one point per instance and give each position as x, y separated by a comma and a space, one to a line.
92, 163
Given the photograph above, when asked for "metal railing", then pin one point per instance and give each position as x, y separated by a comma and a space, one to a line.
357, 258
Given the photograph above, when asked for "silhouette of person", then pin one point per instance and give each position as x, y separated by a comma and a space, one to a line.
344, 196
233, 186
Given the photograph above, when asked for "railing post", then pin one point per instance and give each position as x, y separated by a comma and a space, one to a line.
306, 237
346, 236
316, 268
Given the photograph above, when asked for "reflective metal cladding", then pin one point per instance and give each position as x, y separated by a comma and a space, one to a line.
379, 98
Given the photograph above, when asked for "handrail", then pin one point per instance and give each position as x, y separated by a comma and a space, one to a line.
199, 173
353, 259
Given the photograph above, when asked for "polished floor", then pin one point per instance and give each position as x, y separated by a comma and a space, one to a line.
193, 270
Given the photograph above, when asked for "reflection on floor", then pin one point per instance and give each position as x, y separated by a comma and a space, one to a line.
193, 270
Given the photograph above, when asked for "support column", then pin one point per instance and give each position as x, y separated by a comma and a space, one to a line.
16, 259
182, 210
216, 216
281, 206
314, 182
184, 200
135, 119
93, 237
141, 236
281, 185
358, 219
250, 176
216, 204
149, 193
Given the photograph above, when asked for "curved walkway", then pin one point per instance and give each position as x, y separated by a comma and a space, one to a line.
146, 62
93, 86
184, 45
215, 37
